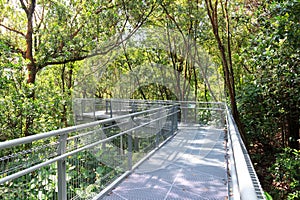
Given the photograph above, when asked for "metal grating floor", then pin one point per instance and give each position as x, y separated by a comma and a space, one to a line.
191, 165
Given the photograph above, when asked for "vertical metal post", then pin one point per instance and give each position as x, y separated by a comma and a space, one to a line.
175, 120
110, 109
129, 151
157, 138
94, 108
81, 109
158, 128
83, 102
106, 106
136, 144
121, 145
61, 169
196, 114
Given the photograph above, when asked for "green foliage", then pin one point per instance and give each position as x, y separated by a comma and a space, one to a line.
286, 174
269, 99
266, 44
268, 95
13, 90
86, 177
41, 184
15, 106
268, 196
259, 113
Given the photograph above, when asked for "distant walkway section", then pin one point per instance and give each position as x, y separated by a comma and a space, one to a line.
192, 165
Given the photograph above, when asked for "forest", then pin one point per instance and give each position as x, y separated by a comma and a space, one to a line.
243, 52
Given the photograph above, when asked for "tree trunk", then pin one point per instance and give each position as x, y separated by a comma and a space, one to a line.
31, 67
64, 120
293, 127
212, 11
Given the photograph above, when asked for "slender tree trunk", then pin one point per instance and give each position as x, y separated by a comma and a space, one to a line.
204, 75
31, 66
212, 11
293, 127
64, 112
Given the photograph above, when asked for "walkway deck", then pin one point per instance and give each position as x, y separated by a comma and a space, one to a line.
192, 165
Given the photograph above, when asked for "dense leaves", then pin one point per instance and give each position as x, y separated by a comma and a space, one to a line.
269, 96
273, 88
286, 174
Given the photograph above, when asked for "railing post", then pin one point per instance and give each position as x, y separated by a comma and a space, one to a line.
106, 106
159, 129
83, 101
94, 108
196, 114
157, 138
61, 168
81, 109
129, 151
175, 117
110, 109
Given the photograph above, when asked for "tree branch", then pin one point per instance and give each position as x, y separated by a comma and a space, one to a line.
41, 18
15, 49
76, 32
118, 40
24, 6
209, 8
175, 22
13, 30
60, 62
32, 7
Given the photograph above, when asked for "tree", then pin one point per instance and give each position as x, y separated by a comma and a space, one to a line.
276, 57
53, 33
224, 46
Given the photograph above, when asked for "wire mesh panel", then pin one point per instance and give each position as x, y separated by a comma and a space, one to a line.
90, 109
78, 162
202, 113
41, 183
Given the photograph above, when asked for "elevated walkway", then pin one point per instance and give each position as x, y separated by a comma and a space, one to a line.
155, 150
191, 165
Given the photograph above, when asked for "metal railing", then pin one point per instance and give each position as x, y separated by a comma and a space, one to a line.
92, 109
244, 183
79, 162
202, 113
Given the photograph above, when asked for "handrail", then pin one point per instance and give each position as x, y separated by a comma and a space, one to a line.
31, 138
149, 118
28, 170
240, 168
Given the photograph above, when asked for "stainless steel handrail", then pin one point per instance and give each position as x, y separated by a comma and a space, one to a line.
243, 184
63, 138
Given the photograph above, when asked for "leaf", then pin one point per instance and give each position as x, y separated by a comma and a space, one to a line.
268, 196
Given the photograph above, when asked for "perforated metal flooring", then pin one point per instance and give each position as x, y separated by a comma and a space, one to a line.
190, 166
